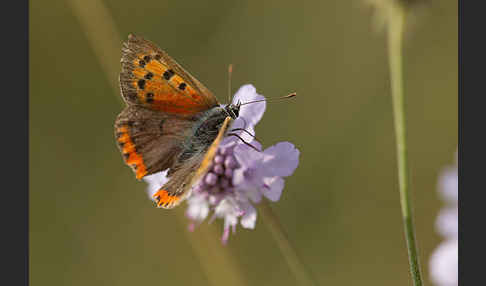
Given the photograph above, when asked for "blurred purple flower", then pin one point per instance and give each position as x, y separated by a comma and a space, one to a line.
239, 175
444, 260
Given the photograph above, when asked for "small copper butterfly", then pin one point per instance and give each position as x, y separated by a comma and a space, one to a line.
171, 121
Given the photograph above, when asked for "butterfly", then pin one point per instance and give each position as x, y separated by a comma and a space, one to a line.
171, 121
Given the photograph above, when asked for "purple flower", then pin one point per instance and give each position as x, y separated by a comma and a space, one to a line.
444, 260
239, 176
155, 181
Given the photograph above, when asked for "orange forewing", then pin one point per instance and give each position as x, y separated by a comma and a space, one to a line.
152, 79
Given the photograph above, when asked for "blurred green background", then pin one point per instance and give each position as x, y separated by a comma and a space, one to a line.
91, 222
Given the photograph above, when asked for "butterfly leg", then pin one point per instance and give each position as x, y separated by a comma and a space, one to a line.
246, 131
242, 140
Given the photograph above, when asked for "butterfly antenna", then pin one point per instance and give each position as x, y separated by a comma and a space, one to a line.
293, 94
230, 72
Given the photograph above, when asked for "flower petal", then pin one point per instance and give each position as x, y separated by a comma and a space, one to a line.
198, 208
240, 123
444, 262
449, 184
227, 209
251, 191
248, 220
228, 142
280, 160
225, 236
246, 156
230, 220
447, 223
247, 186
238, 176
155, 181
252, 113
272, 188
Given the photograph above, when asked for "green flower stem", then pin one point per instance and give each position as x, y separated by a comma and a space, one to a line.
395, 36
301, 273
212, 256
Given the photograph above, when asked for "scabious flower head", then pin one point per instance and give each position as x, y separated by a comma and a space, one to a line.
240, 175
444, 260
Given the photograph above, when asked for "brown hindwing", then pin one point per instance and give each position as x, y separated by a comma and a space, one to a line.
150, 140
189, 173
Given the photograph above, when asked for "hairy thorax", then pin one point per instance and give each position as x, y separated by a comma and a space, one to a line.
203, 133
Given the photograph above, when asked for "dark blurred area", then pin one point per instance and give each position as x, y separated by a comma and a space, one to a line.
91, 222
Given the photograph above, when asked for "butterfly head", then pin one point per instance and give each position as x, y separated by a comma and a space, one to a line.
233, 110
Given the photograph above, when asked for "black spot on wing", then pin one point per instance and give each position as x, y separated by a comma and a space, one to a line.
141, 84
149, 75
168, 74
149, 97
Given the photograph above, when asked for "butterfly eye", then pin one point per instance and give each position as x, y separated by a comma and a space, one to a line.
236, 110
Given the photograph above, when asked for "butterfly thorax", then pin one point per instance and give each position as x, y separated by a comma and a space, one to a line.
206, 129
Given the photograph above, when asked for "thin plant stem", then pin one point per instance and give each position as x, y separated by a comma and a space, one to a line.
103, 36
212, 256
395, 35
301, 273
